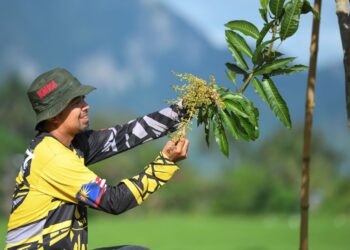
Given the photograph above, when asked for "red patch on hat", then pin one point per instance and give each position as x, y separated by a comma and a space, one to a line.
46, 89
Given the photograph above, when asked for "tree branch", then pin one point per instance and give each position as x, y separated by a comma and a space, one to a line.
344, 27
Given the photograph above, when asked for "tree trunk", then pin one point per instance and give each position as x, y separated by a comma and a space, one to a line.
344, 27
304, 196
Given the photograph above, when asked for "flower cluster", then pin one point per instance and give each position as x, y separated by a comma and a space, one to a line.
195, 94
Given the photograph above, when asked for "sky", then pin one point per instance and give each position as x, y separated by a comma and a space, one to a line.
209, 17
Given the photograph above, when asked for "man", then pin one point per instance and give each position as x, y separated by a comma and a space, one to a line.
54, 187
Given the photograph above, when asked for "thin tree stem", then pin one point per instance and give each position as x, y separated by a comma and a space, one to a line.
344, 27
246, 83
310, 103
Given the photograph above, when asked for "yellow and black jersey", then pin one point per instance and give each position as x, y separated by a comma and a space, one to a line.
54, 187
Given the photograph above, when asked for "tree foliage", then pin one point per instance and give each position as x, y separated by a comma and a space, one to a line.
258, 65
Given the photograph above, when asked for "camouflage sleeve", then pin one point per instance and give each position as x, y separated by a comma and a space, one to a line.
99, 145
129, 192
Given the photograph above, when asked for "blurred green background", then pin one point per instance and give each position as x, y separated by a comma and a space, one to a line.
127, 49
248, 203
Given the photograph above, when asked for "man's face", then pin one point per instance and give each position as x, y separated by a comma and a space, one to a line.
74, 118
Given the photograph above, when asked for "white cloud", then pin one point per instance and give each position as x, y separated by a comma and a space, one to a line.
25, 66
138, 63
161, 25
100, 69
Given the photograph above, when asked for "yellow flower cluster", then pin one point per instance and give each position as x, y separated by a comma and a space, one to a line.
196, 94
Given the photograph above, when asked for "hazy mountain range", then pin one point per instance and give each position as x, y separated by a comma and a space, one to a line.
128, 50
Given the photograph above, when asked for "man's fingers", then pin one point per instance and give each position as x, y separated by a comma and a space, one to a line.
185, 147
169, 148
180, 144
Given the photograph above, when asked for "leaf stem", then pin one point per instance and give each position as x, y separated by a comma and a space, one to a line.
274, 31
246, 83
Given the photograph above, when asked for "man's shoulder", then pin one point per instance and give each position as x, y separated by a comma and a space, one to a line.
47, 148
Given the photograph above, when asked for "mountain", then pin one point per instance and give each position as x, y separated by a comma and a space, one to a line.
128, 49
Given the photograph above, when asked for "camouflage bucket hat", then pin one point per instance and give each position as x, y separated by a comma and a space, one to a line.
51, 92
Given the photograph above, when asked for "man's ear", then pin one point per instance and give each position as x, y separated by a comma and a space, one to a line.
54, 120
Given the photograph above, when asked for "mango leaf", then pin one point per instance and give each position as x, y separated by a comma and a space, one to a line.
245, 27
236, 69
276, 7
290, 20
289, 70
263, 14
200, 115
231, 96
237, 55
220, 136
263, 32
259, 89
229, 123
231, 75
276, 64
258, 55
241, 107
207, 131
306, 8
276, 102
251, 111
232, 106
240, 129
207, 122
276, 53
249, 129
264, 3
239, 42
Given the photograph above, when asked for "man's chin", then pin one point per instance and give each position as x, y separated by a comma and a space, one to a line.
85, 126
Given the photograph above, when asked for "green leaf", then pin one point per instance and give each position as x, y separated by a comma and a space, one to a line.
237, 55
207, 131
276, 7
242, 133
245, 27
263, 14
232, 106
199, 117
207, 121
220, 136
264, 3
258, 55
289, 70
236, 69
251, 111
231, 75
276, 64
263, 32
259, 89
276, 102
231, 96
249, 128
239, 42
290, 20
271, 56
242, 107
229, 123
306, 8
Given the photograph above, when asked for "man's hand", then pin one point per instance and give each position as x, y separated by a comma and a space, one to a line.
176, 150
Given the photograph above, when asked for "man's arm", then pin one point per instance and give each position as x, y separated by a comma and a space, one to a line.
129, 193
99, 145
77, 184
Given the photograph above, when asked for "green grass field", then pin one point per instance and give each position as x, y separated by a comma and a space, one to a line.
208, 233
181, 232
